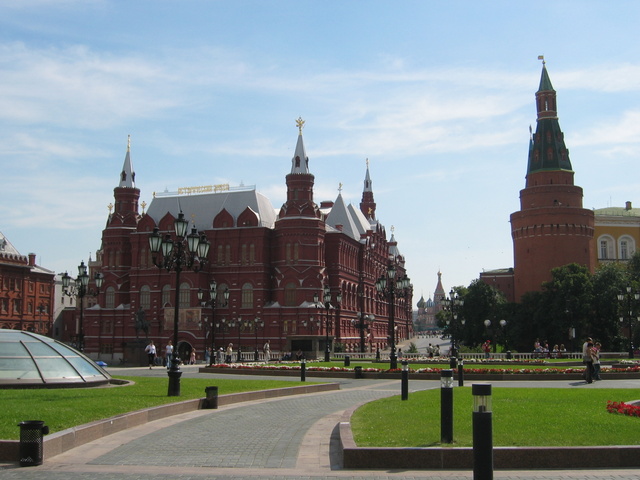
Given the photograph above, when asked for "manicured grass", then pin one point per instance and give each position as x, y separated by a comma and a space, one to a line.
67, 407
521, 417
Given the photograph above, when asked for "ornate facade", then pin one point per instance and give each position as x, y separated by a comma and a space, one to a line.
26, 291
271, 263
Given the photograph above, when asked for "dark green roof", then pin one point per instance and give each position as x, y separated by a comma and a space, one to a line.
545, 81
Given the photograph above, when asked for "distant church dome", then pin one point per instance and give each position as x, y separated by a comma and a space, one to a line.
31, 360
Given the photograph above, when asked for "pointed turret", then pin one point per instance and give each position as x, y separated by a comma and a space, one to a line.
547, 151
368, 205
128, 176
300, 183
300, 161
126, 194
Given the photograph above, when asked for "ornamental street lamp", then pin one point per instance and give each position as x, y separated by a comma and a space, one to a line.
362, 324
214, 302
80, 289
391, 287
254, 324
453, 304
628, 300
186, 251
492, 332
326, 299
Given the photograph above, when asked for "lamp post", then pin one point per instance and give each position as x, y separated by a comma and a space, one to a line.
254, 324
213, 302
627, 301
185, 252
326, 302
362, 324
390, 287
80, 289
453, 304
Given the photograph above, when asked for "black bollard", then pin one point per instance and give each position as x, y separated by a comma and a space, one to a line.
453, 362
303, 370
446, 406
405, 381
461, 373
482, 432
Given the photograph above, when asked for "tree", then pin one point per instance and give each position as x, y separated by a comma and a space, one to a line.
608, 281
481, 302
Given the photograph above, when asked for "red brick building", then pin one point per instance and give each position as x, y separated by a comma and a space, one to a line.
271, 263
26, 291
551, 229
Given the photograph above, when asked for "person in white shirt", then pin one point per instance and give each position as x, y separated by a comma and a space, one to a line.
151, 353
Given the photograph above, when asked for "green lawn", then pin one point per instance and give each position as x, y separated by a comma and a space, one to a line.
521, 417
62, 408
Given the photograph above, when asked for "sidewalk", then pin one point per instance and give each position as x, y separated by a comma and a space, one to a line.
290, 438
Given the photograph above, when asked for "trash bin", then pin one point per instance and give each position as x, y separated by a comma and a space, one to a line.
358, 371
212, 397
31, 443
347, 361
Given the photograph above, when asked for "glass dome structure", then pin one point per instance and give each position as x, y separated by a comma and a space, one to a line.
31, 360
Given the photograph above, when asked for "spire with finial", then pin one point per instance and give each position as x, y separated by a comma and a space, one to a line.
547, 150
128, 176
300, 161
367, 204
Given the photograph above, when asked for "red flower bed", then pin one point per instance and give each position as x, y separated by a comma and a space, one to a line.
623, 408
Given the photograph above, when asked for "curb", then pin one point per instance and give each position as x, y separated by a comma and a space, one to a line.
65, 440
504, 458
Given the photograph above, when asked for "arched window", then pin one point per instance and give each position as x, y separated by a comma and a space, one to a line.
606, 246
145, 297
166, 295
247, 295
185, 295
110, 298
290, 292
626, 247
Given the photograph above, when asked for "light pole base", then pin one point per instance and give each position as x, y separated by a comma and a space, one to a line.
174, 382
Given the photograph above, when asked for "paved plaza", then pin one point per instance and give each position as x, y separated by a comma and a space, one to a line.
282, 438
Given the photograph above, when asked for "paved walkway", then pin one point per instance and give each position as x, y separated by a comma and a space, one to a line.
283, 438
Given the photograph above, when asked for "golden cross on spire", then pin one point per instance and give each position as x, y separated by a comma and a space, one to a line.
300, 124
393, 229
110, 207
367, 161
143, 205
340, 187
128, 143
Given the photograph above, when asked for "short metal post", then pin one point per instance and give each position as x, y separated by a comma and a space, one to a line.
482, 432
453, 361
446, 406
461, 373
405, 380
303, 370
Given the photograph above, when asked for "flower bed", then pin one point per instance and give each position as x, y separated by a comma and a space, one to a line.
623, 408
484, 371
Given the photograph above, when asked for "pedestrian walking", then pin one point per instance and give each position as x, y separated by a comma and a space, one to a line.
151, 353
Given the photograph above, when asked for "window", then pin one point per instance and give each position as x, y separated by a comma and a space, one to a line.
185, 293
603, 250
624, 250
247, 296
626, 247
166, 295
107, 327
290, 294
220, 255
110, 298
228, 255
244, 260
145, 297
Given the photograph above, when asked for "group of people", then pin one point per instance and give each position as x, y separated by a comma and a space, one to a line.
542, 350
591, 359
152, 354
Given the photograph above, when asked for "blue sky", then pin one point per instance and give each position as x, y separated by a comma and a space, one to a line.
438, 96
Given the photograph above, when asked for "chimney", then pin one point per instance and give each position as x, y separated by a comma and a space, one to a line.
627, 206
32, 259
326, 204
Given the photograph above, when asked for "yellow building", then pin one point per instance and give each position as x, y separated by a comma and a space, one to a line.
617, 233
